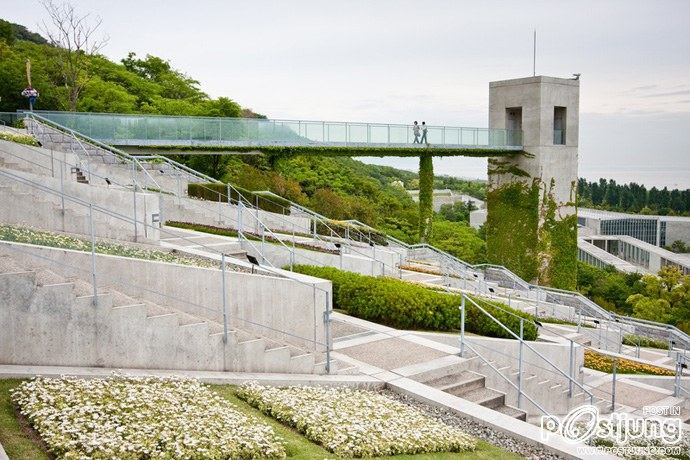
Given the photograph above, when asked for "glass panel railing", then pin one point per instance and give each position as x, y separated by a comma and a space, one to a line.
559, 137
161, 130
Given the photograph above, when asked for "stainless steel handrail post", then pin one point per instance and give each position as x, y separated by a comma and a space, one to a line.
225, 297
613, 385
134, 198
522, 341
571, 370
462, 325
93, 256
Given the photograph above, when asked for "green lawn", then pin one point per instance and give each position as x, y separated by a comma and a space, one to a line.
21, 443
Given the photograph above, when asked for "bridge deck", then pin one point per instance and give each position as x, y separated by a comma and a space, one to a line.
288, 136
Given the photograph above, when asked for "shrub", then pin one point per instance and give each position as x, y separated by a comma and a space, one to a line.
604, 363
406, 305
634, 340
216, 192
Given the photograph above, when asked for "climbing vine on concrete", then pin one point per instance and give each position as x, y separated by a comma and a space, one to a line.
426, 196
511, 227
558, 242
530, 236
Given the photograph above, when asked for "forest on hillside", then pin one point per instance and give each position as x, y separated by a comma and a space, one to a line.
634, 198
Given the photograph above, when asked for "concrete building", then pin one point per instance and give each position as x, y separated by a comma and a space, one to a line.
647, 257
543, 181
447, 196
655, 230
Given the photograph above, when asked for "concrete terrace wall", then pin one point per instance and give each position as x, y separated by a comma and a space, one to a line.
224, 214
41, 209
268, 306
279, 256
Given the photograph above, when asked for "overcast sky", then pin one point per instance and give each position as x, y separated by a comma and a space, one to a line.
397, 61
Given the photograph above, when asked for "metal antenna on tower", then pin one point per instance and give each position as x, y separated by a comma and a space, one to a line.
534, 55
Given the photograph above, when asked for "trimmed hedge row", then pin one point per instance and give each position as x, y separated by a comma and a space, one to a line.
406, 305
219, 192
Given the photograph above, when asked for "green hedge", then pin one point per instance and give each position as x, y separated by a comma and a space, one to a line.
406, 305
214, 192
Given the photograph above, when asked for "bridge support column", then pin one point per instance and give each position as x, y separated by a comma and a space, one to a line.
531, 225
426, 196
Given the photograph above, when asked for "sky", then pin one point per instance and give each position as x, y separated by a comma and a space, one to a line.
398, 61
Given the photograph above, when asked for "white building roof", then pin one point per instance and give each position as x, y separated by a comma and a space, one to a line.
601, 214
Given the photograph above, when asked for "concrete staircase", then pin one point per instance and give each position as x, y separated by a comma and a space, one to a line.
51, 320
471, 386
457, 380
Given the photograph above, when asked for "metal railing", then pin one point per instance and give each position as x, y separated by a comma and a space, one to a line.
522, 343
95, 209
141, 130
452, 264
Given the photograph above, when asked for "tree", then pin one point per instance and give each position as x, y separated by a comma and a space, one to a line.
664, 298
457, 212
6, 32
460, 240
679, 247
74, 35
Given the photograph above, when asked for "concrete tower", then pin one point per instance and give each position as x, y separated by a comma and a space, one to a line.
532, 222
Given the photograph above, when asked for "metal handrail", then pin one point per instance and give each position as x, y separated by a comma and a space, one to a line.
116, 215
598, 309
526, 343
76, 135
488, 363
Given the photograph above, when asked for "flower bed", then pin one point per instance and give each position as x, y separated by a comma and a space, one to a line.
356, 423
604, 363
141, 418
18, 138
57, 240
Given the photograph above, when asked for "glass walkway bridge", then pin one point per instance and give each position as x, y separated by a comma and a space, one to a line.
244, 134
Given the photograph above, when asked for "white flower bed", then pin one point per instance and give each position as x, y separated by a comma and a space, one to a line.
356, 423
141, 418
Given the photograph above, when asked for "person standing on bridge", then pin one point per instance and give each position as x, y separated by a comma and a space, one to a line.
424, 139
415, 131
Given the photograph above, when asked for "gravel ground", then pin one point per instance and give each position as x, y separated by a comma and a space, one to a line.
478, 430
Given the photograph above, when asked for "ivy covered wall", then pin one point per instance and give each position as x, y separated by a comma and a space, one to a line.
511, 227
525, 230
558, 241
426, 196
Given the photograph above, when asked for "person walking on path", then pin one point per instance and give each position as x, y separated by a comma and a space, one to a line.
415, 131
424, 139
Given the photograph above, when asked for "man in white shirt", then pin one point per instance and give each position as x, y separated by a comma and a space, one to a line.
424, 139
415, 131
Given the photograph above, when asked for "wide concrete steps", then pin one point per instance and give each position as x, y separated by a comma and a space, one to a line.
471, 386
63, 316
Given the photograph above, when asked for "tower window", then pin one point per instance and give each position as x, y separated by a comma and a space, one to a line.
559, 117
